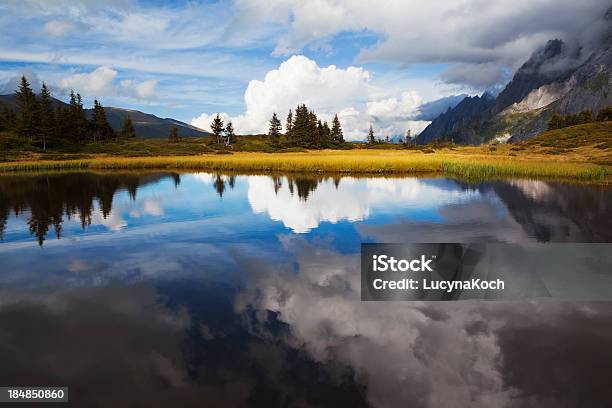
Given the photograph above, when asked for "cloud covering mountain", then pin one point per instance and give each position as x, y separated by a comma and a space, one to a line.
476, 37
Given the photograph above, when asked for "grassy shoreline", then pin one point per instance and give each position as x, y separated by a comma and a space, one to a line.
464, 164
581, 153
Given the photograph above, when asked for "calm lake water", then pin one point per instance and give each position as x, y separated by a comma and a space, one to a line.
167, 289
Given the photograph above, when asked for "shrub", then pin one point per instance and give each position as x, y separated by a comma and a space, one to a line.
605, 114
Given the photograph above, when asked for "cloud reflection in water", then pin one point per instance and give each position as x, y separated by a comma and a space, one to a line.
203, 286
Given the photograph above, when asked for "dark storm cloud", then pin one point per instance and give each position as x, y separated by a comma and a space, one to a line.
476, 76
479, 32
483, 43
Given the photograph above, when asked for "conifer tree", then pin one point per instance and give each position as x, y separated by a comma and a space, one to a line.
229, 134
275, 129
174, 135
96, 121
101, 130
289, 126
71, 118
323, 136
46, 116
63, 124
27, 110
336, 131
371, 137
127, 130
77, 126
312, 139
9, 118
319, 140
556, 122
327, 138
217, 128
300, 128
82, 124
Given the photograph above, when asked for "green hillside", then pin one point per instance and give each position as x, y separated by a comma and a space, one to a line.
597, 135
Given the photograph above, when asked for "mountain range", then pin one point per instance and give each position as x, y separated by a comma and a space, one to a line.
146, 125
557, 78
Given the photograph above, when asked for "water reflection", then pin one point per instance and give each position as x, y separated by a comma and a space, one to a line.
351, 199
556, 211
432, 354
424, 209
48, 198
124, 347
215, 289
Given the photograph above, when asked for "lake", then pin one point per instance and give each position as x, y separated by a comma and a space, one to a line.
197, 289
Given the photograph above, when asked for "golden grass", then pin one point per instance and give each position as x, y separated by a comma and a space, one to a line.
472, 163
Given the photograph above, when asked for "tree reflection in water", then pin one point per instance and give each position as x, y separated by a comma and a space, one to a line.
51, 197
547, 211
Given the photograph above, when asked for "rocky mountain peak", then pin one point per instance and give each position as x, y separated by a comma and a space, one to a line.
554, 62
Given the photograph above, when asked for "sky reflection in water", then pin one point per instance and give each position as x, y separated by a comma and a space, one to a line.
244, 290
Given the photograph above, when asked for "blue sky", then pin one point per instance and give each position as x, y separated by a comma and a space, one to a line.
373, 62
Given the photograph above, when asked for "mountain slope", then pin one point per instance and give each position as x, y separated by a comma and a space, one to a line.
9, 100
555, 78
146, 125
591, 82
458, 122
588, 87
553, 63
150, 126
537, 83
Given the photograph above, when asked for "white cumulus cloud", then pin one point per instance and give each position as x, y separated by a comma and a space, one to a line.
329, 90
98, 82
139, 90
102, 82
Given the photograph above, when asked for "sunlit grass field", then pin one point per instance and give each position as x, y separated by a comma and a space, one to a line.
463, 162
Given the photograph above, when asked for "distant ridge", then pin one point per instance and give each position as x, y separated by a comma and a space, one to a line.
150, 126
146, 125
